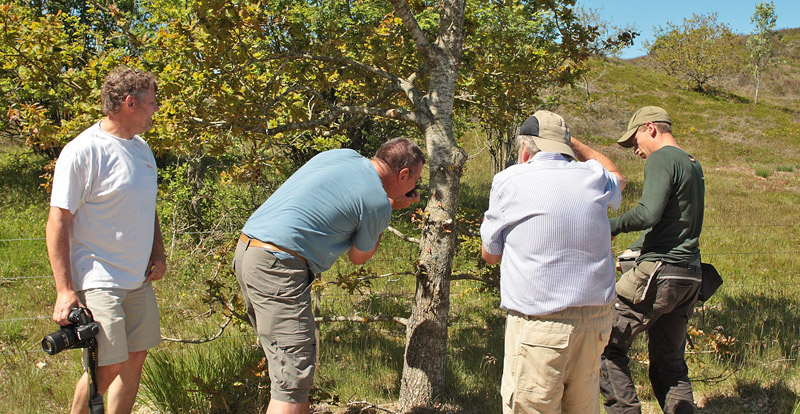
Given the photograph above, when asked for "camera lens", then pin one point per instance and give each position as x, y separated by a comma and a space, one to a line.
58, 341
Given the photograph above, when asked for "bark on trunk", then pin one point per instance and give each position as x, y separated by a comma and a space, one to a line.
426, 336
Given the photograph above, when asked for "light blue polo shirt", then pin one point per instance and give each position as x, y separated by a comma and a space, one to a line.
333, 202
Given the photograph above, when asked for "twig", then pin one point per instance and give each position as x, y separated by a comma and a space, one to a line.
366, 278
465, 231
400, 234
367, 405
227, 305
200, 340
716, 379
363, 319
486, 280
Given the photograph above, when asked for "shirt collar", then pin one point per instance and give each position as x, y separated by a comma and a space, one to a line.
550, 156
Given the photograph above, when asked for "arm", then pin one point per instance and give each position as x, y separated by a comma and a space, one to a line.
655, 196
358, 257
488, 257
57, 237
585, 153
407, 200
493, 226
157, 265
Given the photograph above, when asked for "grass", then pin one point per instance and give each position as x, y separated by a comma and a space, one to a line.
219, 377
746, 338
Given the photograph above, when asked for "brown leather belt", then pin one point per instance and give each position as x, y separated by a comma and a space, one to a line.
261, 245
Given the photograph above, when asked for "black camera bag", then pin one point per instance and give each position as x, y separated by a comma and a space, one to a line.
711, 281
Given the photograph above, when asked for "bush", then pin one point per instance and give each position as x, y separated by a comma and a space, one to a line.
700, 50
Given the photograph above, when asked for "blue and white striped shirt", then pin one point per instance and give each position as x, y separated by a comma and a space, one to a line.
548, 218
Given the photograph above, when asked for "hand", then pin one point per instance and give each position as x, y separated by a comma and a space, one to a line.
64, 303
408, 199
156, 268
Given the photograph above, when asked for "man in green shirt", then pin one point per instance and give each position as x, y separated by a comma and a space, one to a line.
659, 293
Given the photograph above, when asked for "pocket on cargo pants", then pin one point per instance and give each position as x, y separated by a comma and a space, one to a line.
634, 283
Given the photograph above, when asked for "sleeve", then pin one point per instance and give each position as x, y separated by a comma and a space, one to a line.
70, 179
612, 184
637, 245
493, 226
655, 195
372, 223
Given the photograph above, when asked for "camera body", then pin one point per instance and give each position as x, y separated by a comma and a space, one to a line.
77, 334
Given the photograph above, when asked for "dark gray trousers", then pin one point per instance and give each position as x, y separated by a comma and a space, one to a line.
664, 313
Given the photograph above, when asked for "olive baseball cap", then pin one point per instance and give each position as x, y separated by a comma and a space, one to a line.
642, 116
549, 132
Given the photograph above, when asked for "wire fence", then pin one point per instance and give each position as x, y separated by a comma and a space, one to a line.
4, 280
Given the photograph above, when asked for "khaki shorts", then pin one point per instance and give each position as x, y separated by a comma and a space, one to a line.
552, 362
129, 321
277, 294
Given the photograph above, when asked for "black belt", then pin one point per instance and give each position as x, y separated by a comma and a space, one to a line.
681, 271
684, 265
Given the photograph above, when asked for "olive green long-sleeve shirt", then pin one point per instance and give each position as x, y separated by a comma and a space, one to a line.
671, 204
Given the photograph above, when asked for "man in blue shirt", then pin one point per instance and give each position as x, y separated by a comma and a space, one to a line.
337, 202
547, 221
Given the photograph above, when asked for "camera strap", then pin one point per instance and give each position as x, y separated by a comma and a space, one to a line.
90, 365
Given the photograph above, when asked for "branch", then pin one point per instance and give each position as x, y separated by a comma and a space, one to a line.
399, 234
200, 340
343, 61
405, 14
227, 305
366, 406
464, 276
462, 229
362, 319
406, 85
357, 119
367, 278
399, 114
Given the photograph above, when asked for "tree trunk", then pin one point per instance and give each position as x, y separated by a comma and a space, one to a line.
426, 336
425, 357
758, 81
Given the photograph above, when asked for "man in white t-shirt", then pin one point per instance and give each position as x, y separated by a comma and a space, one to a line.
104, 239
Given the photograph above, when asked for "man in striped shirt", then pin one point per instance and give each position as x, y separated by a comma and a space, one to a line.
547, 221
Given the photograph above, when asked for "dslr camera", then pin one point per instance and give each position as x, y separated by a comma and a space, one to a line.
77, 334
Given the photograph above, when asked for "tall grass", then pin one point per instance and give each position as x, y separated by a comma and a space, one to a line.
219, 377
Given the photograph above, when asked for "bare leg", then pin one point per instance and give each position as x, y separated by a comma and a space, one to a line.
105, 375
281, 407
122, 391
121, 380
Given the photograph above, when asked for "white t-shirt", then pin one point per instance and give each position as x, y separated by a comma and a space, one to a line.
109, 184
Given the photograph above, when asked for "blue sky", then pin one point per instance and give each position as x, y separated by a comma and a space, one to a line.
645, 15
